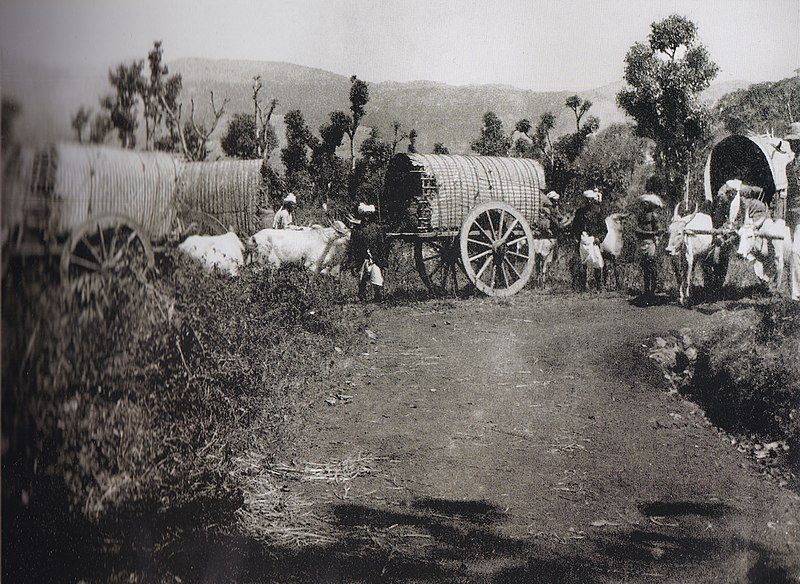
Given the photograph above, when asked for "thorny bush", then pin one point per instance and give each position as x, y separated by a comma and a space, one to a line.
128, 402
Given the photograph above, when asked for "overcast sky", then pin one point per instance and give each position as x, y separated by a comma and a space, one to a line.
542, 45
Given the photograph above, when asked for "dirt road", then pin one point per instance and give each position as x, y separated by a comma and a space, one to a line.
532, 441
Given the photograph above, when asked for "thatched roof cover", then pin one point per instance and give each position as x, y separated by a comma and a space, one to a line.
758, 160
454, 184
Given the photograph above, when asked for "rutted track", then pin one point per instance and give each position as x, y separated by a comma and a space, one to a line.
531, 440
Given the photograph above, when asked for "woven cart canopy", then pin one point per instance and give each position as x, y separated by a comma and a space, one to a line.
757, 160
227, 190
431, 192
56, 188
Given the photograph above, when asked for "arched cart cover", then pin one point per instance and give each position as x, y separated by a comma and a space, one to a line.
431, 192
756, 160
56, 188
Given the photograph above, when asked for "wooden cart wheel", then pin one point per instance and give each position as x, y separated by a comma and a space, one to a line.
497, 249
439, 265
106, 244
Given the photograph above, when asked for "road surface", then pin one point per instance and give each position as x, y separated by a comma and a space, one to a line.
532, 440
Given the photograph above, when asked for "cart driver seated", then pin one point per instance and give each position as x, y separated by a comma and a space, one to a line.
284, 218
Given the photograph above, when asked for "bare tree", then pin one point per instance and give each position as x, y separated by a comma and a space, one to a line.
262, 119
193, 136
80, 120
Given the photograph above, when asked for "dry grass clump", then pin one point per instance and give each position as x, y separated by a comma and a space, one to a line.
126, 403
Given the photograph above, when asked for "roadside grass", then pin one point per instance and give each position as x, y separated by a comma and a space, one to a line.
747, 373
129, 406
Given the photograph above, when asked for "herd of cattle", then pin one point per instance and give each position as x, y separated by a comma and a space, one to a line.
323, 250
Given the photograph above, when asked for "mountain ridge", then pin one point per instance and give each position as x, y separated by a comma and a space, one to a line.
440, 112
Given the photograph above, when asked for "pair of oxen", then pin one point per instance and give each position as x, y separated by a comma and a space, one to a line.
767, 243
317, 248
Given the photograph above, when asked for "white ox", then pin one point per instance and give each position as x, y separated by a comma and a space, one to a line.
766, 242
604, 255
319, 249
221, 252
611, 246
544, 251
689, 239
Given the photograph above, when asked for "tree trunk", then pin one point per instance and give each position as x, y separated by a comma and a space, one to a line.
352, 150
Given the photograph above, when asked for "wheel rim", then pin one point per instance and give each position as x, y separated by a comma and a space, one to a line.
497, 249
106, 245
439, 265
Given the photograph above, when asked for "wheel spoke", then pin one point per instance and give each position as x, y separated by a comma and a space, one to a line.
520, 255
114, 239
488, 236
480, 255
491, 226
476, 242
84, 263
91, 249
124, 247
517, 240
502, 221
511, 265
102, 242
436, 269
510, 229
483, 268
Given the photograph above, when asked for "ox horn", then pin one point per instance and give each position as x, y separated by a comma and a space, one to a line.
693, 213
676, 214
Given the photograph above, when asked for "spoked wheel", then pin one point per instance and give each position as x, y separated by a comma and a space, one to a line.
497, 249
106, 244
439, 265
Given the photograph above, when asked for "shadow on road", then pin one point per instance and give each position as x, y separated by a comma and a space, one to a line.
458, 541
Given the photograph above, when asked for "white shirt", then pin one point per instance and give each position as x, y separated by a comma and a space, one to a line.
283, 219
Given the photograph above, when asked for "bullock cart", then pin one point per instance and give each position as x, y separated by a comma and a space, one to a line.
758, 160
468, 217
108, 209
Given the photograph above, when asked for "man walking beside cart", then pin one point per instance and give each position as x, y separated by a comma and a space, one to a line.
368, 248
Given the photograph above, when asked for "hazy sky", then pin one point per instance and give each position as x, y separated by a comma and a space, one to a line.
541, 45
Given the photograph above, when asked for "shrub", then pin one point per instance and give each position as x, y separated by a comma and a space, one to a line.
129, 403
747, 373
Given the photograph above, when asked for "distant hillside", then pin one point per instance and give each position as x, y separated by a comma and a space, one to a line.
439, 112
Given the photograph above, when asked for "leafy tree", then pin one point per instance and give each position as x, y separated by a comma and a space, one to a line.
295, 154
241, 141
570, 146
359, 96
150, 92
523, 126
542, 139
9, 111
371, 166
762, 107
329, 171
579, 107
80, 120
128, 85
412, 141
666, 76
100, 128
493, 140
439, 148
611, 160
